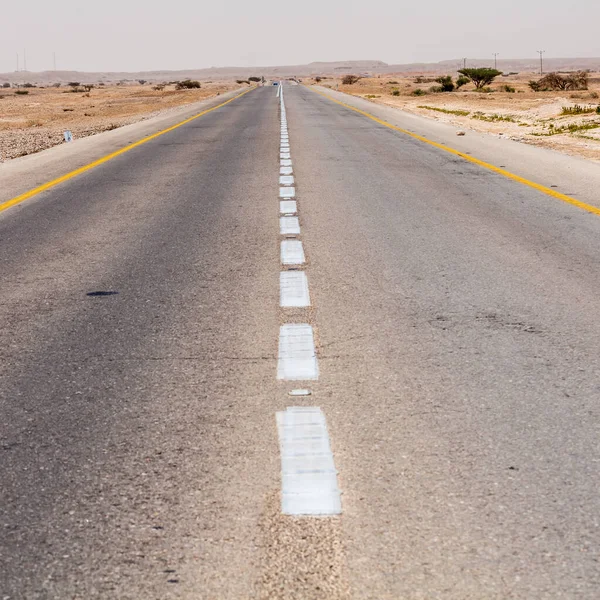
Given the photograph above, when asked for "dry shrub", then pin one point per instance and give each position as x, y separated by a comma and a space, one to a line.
350, 79
557, 82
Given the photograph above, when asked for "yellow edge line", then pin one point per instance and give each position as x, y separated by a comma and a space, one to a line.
104, 159
536, 186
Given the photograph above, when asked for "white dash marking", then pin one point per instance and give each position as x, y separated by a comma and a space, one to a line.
299, 393
285, 162
289, 226
286, 180
286, 170
284, 156
288, 207
308, 476
297, 356
292, 252
287, 192
293, 289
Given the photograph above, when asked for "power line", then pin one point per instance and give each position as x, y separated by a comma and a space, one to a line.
541, 53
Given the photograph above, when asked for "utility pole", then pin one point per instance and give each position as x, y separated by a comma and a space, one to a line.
496, 60
17, 62
24, 60
541, 53
54, 58
464, 63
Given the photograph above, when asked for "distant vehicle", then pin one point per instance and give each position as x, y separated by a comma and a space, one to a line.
276, 83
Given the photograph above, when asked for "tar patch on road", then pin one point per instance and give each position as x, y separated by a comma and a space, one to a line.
102, 293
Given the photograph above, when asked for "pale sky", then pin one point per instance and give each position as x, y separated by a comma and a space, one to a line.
136, 35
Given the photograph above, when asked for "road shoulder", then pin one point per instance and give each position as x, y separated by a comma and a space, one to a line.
575, 177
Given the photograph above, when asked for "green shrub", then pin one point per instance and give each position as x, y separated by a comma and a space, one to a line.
255, 79
494, 118
509, 89
22, 92
446, 83
419, 92
577, 110
240, 81
535, 85
392, 83
571, 128
459, 113
395, 92
462, 80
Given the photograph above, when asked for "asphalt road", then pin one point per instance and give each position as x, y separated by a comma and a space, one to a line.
456, 320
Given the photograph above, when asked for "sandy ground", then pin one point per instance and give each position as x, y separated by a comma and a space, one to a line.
523, 115
36, 121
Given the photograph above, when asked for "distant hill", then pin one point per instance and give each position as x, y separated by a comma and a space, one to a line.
374, 67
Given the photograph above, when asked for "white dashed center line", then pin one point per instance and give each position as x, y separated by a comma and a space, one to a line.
308, 476
297, 356
292, 252
288, 207
293, 289
287, 192
289, 226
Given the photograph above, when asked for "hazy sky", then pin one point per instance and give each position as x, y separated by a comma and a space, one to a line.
132, 35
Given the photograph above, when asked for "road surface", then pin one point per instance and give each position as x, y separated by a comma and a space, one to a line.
455, 319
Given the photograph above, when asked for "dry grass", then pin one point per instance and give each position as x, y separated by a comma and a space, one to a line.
38, 120
524, 115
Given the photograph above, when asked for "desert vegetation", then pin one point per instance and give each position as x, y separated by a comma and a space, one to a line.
503, 104
350, 79
481, 77
556, 81
187, 84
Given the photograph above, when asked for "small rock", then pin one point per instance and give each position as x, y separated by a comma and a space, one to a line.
461, 133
